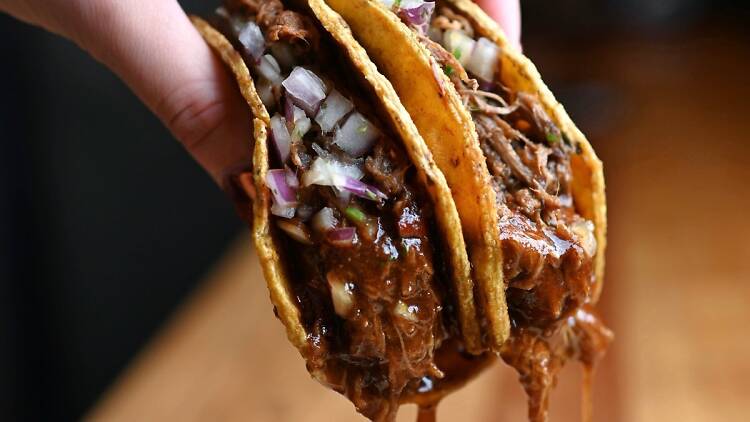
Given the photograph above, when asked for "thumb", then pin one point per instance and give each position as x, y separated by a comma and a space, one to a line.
508, 14
154, 48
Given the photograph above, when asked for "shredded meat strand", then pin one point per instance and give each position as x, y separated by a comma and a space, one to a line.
488, 131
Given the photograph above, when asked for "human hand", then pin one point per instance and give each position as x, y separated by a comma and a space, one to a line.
153, 47
508, 14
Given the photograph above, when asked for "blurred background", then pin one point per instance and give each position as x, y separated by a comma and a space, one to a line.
129, 291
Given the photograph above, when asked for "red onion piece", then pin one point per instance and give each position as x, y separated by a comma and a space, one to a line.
296, 230
362, 190
291, 111
324, 220
459, 44
333, 109
250, 37
356, 135
329, 172
417, 13
269, 68
306, 89
484, 60
301, 127
342, 294
296, 120
342, 236
280, 136
291, 178
284, 196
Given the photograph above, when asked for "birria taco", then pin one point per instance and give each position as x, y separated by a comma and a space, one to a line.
497, 132
357, 232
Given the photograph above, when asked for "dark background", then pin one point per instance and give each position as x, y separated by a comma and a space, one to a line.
106, 224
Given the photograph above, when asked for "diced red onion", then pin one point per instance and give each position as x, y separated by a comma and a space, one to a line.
324, 220
484, 60
251, 38
296, 120
306, 89
342, 295
326, 171
417, 13
296, 230
280, 136
292, 112
301, 127
269, 68
459, 44
408, 312
291, 178
284, 54
284, 196
362, 190
333, 109
356, 135
342, 236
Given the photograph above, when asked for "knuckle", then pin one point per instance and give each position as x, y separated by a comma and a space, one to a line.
193, 113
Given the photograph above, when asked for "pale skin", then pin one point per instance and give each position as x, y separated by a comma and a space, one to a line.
153, 48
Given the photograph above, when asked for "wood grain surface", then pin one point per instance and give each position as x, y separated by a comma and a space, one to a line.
676, 152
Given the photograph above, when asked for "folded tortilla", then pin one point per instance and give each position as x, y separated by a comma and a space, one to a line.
357, 232
527, 184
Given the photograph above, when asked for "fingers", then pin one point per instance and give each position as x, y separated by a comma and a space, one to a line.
508, 14
154, 48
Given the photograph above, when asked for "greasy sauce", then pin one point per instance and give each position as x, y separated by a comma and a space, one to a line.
427, 413
587, 405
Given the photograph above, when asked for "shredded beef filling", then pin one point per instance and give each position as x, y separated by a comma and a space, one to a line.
548, 247
372, 303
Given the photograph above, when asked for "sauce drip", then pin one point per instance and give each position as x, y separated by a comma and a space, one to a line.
587, 404
427, 413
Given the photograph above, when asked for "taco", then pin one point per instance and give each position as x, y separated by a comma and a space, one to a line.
453, 68
357, 233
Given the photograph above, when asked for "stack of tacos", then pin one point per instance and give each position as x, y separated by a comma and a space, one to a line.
419, 200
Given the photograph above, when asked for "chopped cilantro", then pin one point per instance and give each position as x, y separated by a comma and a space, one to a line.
457, 53
355, 214
552, 138
448, 70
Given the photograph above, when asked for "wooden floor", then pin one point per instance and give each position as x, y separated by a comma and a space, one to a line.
676, 151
